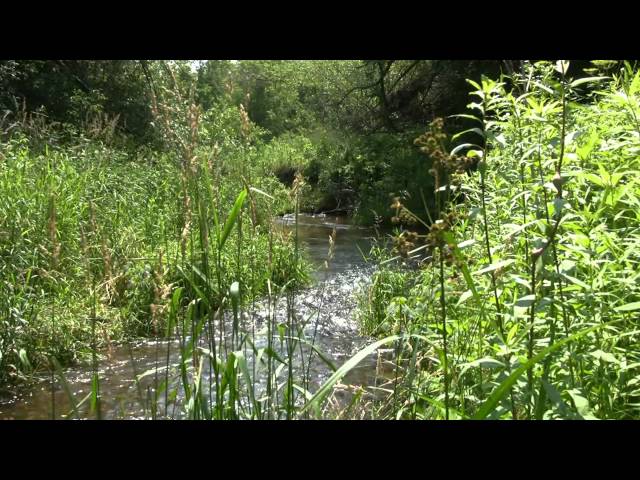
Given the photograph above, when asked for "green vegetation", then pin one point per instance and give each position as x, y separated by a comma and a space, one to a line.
139, 199
526, 304
94, 238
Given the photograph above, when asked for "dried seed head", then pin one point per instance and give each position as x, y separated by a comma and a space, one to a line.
244, 118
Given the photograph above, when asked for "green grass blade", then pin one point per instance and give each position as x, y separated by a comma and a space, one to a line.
324, 390
66, 387
231, 219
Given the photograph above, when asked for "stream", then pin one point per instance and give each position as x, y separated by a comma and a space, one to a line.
328, 305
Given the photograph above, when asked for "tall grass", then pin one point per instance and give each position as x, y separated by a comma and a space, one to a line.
94, 243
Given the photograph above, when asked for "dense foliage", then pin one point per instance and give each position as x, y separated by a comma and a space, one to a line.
139, 198
94, 237
525, 304
345, 125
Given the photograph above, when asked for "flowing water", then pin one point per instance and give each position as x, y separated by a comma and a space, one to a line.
325, 312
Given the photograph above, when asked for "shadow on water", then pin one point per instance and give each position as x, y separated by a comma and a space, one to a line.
330, 302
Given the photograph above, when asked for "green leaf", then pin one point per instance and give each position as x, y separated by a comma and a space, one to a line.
201, 294
562, 66
494, 266
526, 301
543, 87
273, 354
555, 396
580, 81
604, 356
464, 115
473, 83
466, 243
501, 140
576, 281
242, 364
464, 267
594, 179
152, 371
231, 219
471, 130
257, 190
322, 356
22, 354
307, 394
582, 404
629, 307
486, 362
462, 146
234, 290
452, 411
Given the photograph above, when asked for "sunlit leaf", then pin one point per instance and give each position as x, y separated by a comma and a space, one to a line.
629, 307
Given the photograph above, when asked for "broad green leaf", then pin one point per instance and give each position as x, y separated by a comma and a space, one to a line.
629, 307
555, 396
500, 139
466, 243
582, 404
486, 362
526, 301
604, 356
576, 281
580, 81
326, 387
474, 84
464, 297
594, 179
543, 87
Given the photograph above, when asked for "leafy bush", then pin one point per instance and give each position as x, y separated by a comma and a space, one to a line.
527, 307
